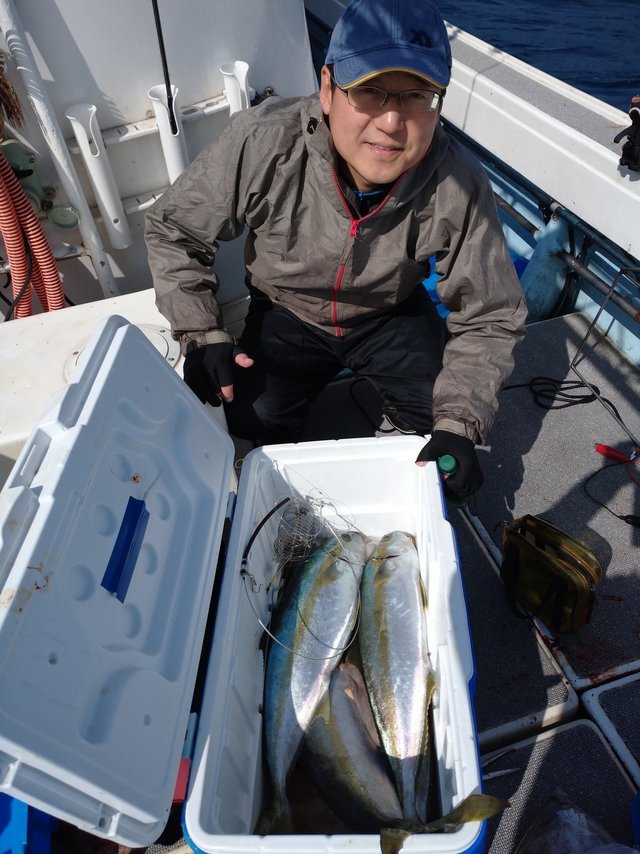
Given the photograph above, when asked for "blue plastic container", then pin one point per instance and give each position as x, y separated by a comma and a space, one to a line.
23, 829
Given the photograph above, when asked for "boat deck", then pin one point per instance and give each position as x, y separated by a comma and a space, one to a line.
538, 461
535, 730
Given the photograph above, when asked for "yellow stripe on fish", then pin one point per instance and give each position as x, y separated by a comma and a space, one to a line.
395, 660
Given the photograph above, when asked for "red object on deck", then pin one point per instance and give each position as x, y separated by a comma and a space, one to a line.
612, 453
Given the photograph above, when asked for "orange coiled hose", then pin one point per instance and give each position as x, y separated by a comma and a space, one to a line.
16, 252
45, 277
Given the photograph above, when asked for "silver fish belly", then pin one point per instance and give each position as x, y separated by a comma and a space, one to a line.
313, 623
396, 665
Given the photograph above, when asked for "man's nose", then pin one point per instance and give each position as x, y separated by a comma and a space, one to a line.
391, 118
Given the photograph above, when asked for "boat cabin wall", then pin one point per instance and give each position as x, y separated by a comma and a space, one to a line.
88, 52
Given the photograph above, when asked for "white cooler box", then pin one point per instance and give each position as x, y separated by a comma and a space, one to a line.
111, 524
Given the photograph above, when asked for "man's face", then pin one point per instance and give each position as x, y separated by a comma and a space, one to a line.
377, 147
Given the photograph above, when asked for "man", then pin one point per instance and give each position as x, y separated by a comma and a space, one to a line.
346, 199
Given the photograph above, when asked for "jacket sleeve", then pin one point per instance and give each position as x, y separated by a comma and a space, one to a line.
479, 285
182, 230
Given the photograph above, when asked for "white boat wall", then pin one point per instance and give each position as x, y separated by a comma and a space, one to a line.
98, 147
98, 63
90, 77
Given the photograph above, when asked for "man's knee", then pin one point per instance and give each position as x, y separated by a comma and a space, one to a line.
262, 423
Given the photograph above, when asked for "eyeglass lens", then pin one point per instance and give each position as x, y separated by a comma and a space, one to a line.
411, 101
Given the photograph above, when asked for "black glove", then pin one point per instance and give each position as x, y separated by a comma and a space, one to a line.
208, 368
467, 478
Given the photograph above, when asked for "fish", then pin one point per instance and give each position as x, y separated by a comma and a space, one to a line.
311, 627
475, 807
343, 757
397, 670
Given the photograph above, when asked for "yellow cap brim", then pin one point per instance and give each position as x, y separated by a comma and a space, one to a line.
380, 71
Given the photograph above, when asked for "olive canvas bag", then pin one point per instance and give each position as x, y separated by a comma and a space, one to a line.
548, 573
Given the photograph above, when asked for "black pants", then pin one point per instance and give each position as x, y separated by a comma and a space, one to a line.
399, 353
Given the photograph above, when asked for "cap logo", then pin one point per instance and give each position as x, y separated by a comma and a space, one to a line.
419, 37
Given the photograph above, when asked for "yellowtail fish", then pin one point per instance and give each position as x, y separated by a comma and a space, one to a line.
343, 757
312, 625
397, 670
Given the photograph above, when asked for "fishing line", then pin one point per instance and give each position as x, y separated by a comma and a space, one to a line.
339, 650
300, 528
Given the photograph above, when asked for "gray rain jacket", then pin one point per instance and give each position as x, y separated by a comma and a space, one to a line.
274, 171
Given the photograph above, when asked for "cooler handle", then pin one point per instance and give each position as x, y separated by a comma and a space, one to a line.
126, 549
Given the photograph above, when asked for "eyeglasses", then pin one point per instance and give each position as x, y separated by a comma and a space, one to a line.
369, 99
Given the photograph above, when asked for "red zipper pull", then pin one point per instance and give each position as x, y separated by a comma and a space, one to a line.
612, 453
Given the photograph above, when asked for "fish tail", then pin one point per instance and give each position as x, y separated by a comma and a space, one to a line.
276, 818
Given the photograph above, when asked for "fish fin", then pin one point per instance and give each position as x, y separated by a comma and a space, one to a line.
392, 839
472, 808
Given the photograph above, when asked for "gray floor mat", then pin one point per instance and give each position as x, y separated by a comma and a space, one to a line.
517, 687
574, 757
537, 461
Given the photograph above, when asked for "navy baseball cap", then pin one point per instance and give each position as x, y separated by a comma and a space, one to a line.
374, 36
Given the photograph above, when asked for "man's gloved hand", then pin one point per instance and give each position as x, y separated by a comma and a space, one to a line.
467, 478
208, 370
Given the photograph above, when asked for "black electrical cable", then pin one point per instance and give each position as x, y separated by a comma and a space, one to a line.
165, 68
550, 393
630, 518
6, 286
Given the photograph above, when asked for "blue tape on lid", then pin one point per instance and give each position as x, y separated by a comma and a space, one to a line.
126, 549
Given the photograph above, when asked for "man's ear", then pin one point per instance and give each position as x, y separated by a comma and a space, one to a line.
326, 91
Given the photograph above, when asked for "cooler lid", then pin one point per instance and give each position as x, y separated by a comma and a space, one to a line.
110, 526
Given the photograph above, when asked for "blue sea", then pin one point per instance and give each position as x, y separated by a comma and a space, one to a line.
593, 45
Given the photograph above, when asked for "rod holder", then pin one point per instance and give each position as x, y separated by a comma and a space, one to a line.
173, 144
89, 137
236, 85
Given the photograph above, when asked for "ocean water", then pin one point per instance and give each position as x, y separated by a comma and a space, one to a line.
593, 45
